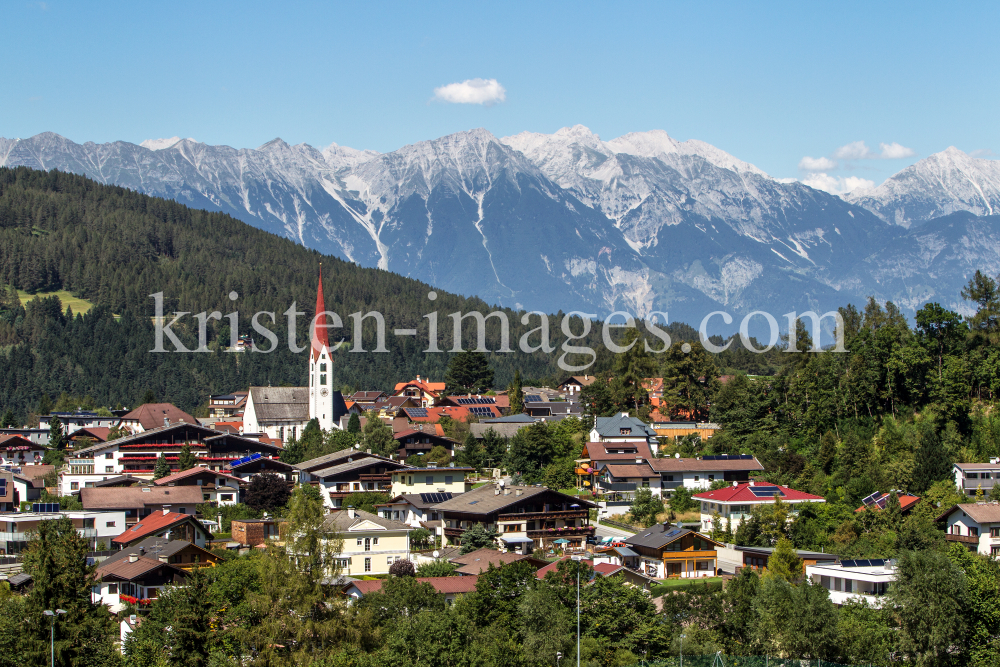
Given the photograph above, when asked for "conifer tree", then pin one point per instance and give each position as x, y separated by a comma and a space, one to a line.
162, 468
783, 562
515, 394
469, 372
354, 423
57, 440
187, 459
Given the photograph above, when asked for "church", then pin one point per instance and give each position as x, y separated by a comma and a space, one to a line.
282, 412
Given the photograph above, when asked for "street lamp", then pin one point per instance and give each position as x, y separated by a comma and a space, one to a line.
682, 649
578, 566
558, 657
52, 631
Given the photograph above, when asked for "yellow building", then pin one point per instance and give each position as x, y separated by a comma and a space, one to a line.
371, 544
431, 480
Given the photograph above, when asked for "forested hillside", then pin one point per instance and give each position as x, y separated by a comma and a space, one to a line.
116, 247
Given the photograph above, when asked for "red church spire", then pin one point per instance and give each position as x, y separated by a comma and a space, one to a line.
319, 337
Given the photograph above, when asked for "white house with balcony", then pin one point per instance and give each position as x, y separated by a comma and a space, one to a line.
976, 525
16, 529
734, 503
970, 477
854, 579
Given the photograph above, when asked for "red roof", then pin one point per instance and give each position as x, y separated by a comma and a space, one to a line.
432, 388
17, 442
446, 585
98, 433
906, 503
318, 334
151, 524
456, 412
743, 493
552, 567
184, 474
607, 569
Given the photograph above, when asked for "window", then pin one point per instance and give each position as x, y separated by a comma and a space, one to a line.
669, 478
368, 565
182, 510
645, 483
74, 486
226, 496
88, 523
711, 478
112, 589
322, 379
109, 524
368, 547
204, 496
697, 478
196, 558
359, 542
995, 551
109, 455
388, 560
109, 468
322, 368
973, 532
429, 480
972, 475
995, 532
375, 541
448, 479
410, 482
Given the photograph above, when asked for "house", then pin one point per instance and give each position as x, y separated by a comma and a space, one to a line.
528, 517
450, 587
479, 561
500, 401
91, 433
134, 579
412, 442
154, 415
367, 396
971, 477
632, 577
16, 529
9, 497
552, 410
679, 429
180, 553
432, 479
756, 558
976, 525
574, 384
415, 509
137, 454
164, 524
27, 487
701, 472
459, 413
876, 502
424, 393
866, 580
735, 502
505, 427
216, 487
39, 436
16, 450
667, 551
248, 467
353, 472
389, 408
282, 412
221, 406
371, 544
254, 532
73, 421
617, 555
138, 502
622, 428
624, 479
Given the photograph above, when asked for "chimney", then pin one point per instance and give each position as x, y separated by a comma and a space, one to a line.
166, 420
166, 510
638, 459
164, 559
517, 492
132, 558
432, 464
350, 511
994, 460
751, 482
506, 492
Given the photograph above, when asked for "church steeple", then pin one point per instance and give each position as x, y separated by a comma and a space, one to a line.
320, 365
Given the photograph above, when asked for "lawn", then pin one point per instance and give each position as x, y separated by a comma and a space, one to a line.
79, 306
714, 583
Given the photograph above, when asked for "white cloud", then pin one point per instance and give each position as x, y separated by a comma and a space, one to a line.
895, 151
982, 152
472, 91
816, 164
837, 185
858, 150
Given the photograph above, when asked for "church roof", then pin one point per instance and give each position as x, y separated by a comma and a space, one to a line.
280, 403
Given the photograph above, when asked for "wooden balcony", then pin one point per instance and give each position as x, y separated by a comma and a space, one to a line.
965, 539
670, 556
545, 516
561, 532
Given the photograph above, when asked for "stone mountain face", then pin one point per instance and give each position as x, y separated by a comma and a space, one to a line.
565, 221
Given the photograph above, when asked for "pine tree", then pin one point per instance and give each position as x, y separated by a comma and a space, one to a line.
148, 397
9, 420
469, 372
162, 468
783, 562
187, 459
515, 394
354, 423
57, 440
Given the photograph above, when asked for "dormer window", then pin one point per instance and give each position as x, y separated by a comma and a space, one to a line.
625, 430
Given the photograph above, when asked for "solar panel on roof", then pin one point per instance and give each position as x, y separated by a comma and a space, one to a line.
481, 411
435, 498
872, 499
417, 412
766, 491
533, 398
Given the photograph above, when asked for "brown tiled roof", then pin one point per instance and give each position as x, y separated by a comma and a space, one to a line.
980, 513
978, 466
126, 570
133, 497
446, 585
191, 472
684, 465
340, 521
151, 415
621, 470
151, 524
480, 560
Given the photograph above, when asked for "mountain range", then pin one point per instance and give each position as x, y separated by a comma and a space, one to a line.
567, 221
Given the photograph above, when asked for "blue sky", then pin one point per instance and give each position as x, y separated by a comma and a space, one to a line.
770, 83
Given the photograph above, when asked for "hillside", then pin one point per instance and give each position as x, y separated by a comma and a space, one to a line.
114, 247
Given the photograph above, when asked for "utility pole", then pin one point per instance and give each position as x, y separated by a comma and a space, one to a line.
579, 563
682, 650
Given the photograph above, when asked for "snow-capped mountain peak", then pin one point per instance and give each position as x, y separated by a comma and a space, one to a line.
160, 144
